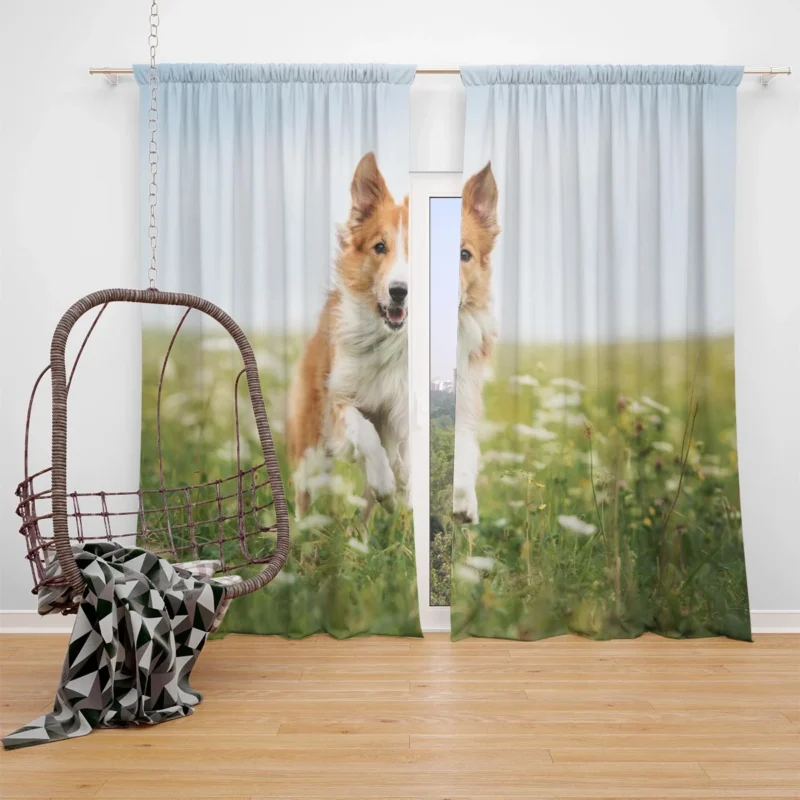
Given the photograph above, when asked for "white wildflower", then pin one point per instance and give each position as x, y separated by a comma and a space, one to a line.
568, 383
335, 484
562, 400
340, 486
542, 417
576, 525
357, 544
315, 483
498, 457
313, 521
480, 562
591, 459
576, 420
540, 434
313, 469
516, 504
467, 574
510, 480
648, 401
663, 447
190, 420
523, 380
501, 522
716, 472
551, 448
488, 429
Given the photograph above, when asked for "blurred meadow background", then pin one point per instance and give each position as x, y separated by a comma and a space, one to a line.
345, 575
608, 495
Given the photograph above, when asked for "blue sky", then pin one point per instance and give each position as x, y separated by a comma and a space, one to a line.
445, 237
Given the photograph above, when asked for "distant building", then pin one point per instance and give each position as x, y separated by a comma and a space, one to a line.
439, 385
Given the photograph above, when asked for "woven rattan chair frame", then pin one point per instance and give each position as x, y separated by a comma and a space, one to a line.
71, 575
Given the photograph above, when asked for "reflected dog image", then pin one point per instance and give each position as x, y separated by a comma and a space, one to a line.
476, 333
349, 393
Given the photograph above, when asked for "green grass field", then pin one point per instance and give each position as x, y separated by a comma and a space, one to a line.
608, 496
608, 506
344, 576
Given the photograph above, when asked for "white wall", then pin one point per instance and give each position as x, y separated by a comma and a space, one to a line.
69, 197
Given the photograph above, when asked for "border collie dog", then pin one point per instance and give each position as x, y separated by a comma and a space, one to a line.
349, 393
476, 333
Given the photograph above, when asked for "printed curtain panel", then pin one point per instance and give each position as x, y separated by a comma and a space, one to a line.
283, 198
596, 481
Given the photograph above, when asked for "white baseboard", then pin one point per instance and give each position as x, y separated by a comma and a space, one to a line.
775, 621
31, 622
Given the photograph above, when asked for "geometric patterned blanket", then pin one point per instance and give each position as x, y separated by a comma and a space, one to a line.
140, 627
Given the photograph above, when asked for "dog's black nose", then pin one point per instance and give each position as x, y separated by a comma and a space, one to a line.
398, 292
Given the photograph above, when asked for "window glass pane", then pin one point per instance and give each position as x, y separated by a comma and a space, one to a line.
445, 236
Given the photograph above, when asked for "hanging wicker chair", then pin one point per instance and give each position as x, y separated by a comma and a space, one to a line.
222, 519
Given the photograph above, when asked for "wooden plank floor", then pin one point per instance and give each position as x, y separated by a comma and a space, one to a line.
400, 718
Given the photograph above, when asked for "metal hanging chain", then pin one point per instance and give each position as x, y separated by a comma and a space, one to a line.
152, 125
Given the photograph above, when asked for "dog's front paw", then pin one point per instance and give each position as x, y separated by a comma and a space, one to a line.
465, 504
381, 481
389, 503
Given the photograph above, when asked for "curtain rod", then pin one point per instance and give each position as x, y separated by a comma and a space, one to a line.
767, 73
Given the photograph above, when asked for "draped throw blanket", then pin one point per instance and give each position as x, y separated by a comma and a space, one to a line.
138, 632
283, 199
596, 479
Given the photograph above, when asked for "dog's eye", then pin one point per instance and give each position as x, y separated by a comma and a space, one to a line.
466, 255
380, 248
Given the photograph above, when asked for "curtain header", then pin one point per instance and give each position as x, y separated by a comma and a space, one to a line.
631, 74
278, 73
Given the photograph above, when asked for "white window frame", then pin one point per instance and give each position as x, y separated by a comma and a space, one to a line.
424, 186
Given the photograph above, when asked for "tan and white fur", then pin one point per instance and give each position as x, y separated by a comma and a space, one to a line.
476, 334
349, 394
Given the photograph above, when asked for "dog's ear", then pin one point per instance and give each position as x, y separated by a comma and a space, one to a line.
480, 197
368, 188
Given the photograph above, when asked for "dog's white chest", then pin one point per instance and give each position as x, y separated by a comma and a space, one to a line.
474, 327
371, 365
376, 382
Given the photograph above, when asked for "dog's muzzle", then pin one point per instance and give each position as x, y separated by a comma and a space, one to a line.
394, 315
